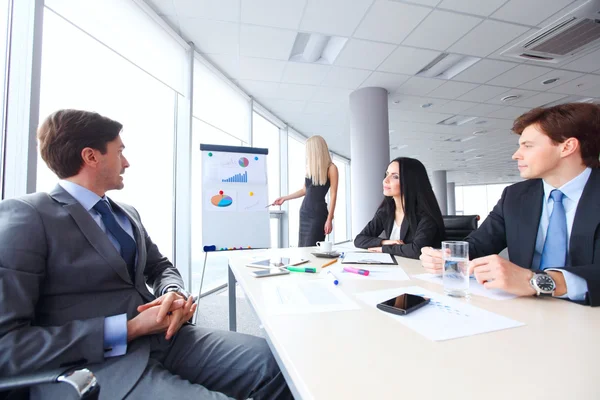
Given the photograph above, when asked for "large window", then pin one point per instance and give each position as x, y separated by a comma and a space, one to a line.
478, 199
80, 72
296, 176
340, 221
4, 37
266, 135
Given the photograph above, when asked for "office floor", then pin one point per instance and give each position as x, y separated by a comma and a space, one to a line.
214, 313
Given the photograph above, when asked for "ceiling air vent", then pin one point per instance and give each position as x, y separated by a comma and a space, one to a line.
572, 34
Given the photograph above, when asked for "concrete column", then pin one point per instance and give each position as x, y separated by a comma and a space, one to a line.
451, 198
370, 152
440, 188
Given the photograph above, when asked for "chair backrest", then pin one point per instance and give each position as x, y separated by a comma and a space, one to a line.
18, 394
459, 227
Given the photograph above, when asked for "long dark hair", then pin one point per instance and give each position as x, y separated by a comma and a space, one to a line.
417, 195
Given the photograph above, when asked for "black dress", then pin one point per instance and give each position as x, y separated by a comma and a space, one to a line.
313, 214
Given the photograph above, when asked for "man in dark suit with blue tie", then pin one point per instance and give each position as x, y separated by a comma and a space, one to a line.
550, 223
75, 273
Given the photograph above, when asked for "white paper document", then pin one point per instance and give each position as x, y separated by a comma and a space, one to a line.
383, 273
368, 258
444, 317
475, 287
305, 297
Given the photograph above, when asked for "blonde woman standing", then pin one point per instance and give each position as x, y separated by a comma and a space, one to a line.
321, 175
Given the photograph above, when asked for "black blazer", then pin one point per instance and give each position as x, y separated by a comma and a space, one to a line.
426, 234
515, 220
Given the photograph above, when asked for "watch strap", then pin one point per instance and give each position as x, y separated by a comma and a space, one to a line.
178, 290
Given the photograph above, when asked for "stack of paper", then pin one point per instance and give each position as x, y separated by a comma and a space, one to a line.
474, 287
444, 317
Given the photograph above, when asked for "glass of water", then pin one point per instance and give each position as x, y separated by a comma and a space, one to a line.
456, 270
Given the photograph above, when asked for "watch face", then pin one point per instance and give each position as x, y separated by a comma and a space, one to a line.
545, 283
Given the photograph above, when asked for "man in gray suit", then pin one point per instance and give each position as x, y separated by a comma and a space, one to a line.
74, 271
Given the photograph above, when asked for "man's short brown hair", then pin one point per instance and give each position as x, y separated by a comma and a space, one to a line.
578, 120
64, 134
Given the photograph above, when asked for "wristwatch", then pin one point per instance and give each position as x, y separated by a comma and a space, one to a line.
178, 290
543, 284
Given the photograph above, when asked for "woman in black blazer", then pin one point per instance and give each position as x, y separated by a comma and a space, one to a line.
409, 216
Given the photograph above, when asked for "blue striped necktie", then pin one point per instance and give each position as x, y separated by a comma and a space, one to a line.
128, 245
555, 246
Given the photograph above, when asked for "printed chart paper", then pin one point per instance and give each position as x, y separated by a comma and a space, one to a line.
443, 318
475, 287
368, 258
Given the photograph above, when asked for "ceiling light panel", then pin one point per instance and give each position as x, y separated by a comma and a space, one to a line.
316, 48
457, 120
447, 66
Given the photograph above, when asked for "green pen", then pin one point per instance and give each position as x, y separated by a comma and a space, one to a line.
298, 269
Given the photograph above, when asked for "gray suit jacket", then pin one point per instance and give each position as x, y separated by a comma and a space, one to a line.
60, 276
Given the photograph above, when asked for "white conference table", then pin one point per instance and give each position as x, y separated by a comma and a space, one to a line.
364, 354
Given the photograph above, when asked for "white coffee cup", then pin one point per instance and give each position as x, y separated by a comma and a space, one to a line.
325, 247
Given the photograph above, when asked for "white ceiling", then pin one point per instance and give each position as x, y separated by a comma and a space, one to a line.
250, 41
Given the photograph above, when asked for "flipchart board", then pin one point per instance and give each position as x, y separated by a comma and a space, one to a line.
235, 197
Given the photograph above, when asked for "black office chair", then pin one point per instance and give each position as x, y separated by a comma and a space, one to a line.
83, 382
458, 227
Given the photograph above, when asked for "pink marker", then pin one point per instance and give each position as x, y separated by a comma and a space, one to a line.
364, 272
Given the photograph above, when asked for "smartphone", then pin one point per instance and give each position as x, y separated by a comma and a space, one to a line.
270, 272
403, 304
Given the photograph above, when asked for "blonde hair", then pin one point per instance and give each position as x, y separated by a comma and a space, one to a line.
318, 160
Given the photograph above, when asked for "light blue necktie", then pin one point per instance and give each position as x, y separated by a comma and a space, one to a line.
555, 247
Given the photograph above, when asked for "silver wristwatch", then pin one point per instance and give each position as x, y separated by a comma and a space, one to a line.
543, 284
178, 290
